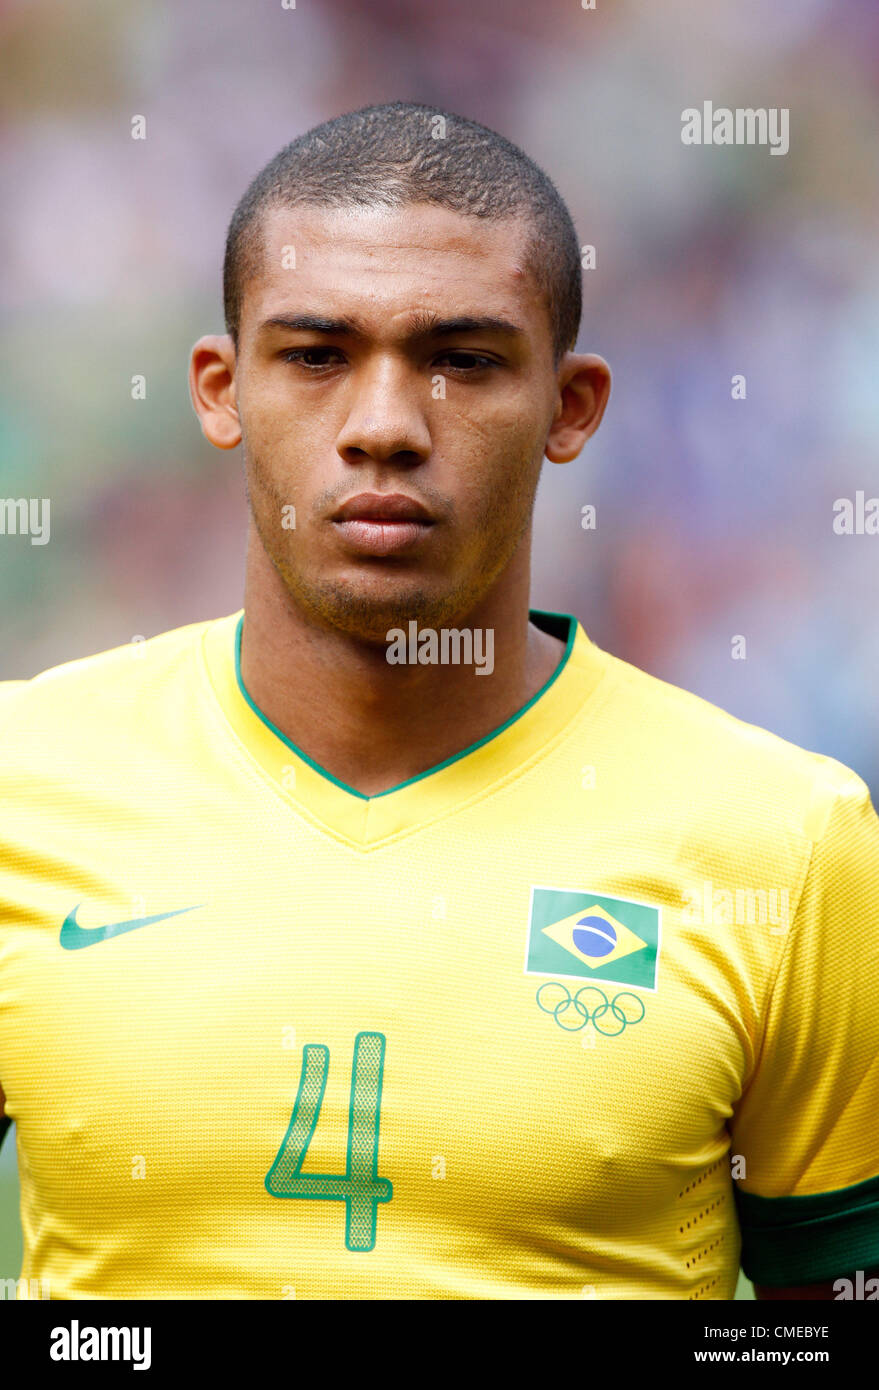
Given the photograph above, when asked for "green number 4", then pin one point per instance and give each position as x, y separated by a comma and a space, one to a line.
360, 1187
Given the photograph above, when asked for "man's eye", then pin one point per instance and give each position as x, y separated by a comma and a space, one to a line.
462, 361
313, 357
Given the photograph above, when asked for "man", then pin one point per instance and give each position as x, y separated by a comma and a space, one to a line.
380, 942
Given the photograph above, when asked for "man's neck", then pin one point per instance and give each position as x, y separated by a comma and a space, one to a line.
371, 724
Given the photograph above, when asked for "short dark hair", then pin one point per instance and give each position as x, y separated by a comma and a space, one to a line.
389, 155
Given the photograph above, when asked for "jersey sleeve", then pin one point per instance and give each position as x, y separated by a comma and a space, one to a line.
805, 1133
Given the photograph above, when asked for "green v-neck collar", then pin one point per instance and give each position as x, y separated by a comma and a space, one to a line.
369, 820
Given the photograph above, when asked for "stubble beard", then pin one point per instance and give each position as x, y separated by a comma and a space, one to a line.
368, 614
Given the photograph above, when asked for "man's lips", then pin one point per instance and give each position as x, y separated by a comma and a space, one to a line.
382, 523
382, 506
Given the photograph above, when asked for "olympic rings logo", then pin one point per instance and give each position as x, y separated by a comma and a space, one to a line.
565, 1001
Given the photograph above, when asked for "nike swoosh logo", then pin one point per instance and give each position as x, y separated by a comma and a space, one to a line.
74, 937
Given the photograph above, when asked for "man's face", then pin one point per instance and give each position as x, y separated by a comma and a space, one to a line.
358, 373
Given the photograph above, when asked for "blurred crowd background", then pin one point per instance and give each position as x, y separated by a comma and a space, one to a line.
715, 516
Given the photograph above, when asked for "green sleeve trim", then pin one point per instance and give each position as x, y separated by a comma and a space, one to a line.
807, 1240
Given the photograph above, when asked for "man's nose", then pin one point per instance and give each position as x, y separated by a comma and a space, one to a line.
386, 420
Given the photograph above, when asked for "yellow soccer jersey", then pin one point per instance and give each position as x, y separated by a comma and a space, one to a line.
587, 1010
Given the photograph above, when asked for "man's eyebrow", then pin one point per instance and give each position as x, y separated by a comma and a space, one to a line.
424, 324
313, 323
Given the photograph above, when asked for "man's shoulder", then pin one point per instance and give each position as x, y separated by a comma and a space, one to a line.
725, 763
100, 686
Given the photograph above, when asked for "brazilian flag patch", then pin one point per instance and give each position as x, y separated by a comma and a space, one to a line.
592, 936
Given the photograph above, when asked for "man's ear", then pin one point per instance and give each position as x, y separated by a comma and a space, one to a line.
584, 386
212, 390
